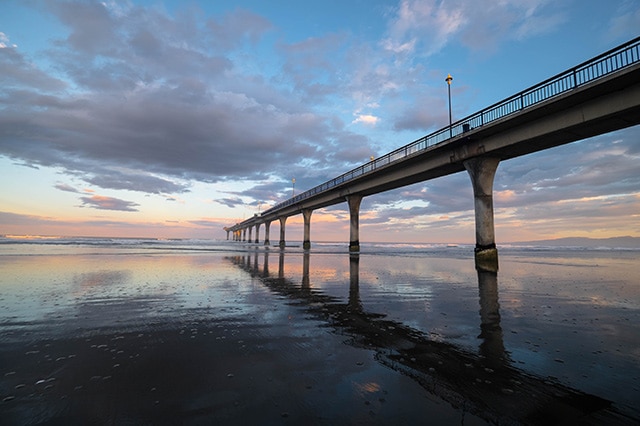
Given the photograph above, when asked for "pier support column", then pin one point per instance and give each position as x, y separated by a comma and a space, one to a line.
482, 170
354, 219
258, 233
227, 234
244, 234
283, 220
267, 225
306, 242
250, 231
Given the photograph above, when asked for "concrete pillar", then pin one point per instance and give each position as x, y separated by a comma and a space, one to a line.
306, 242
482, 170
267, 225
258, 233
283, 220
227, 234
244, 234
354, 218
250, 230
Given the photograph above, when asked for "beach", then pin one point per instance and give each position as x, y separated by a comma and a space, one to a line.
99, 331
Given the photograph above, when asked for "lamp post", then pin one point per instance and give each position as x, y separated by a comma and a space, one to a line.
449, 79
293, 187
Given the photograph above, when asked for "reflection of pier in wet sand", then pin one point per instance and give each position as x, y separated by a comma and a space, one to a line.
487, 385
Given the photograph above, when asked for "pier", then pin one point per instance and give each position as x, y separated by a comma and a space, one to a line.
593, 98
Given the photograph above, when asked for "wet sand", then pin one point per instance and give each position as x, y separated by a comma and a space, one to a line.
257, 336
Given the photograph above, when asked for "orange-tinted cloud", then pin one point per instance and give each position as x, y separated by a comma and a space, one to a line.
109, 203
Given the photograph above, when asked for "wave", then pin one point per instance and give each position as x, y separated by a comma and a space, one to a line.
41, 244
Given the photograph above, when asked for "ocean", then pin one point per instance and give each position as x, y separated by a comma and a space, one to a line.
150, 331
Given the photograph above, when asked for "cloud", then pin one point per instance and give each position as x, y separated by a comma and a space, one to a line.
431, 21
9, 219
417, 118
108, 203
424, 27
626, 21
134, 181
369, 120
152, 94
25, 224
17, 71
65, 187
4, 41
230, 202
237, 26
210, 223
174, 98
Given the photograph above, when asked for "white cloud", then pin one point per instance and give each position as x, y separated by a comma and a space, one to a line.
369, 120
479, 25
4, 41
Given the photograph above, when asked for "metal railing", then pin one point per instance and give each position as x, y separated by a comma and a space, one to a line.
609, 62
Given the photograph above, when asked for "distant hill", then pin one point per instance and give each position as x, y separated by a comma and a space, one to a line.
615, 242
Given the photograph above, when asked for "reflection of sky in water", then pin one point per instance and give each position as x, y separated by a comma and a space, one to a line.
572, 317
101, 290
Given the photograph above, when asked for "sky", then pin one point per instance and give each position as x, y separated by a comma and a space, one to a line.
174, 119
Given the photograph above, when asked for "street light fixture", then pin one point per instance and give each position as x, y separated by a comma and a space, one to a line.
293, 187
449, 79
